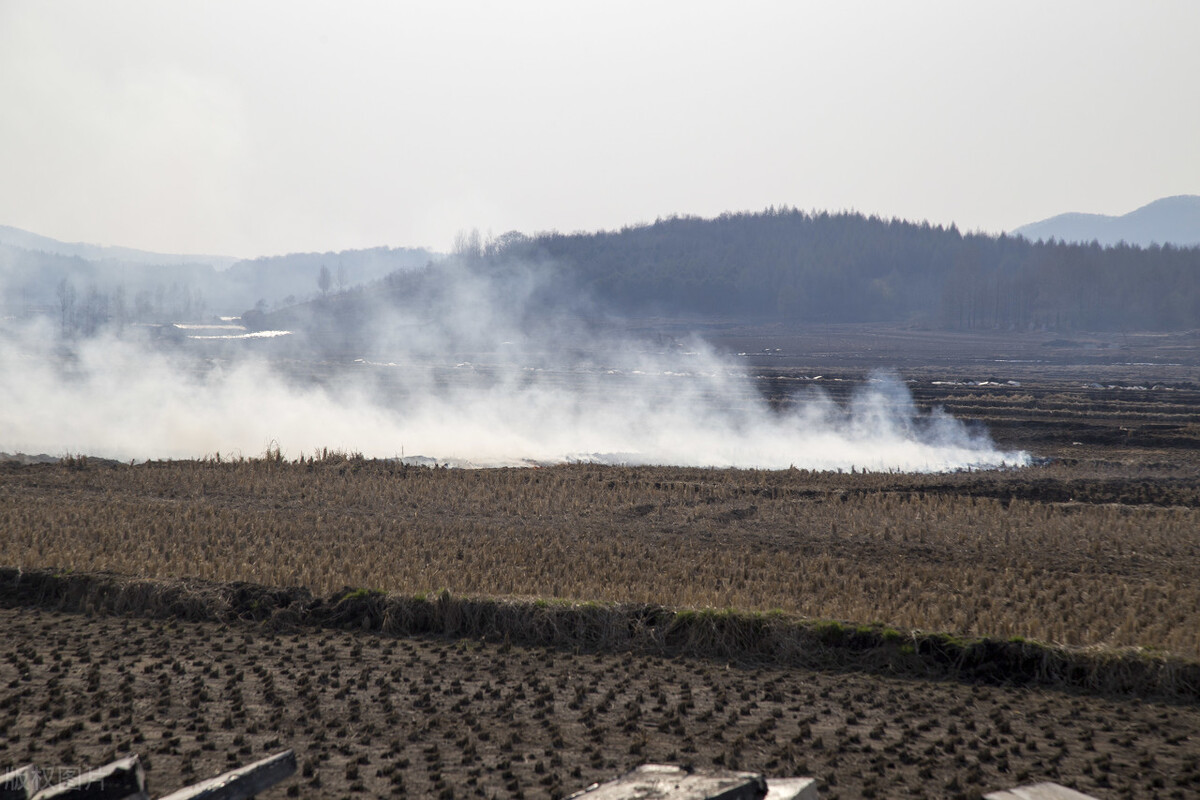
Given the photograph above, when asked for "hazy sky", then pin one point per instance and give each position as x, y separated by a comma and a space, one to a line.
250, 128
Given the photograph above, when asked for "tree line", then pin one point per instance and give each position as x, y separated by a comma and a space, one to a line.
846, 267
88, 312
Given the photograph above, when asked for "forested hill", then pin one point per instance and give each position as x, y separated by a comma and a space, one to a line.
788, 264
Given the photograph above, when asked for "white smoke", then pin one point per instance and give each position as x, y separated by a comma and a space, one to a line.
520, 402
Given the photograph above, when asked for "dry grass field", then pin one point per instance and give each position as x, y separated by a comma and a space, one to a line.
1096, 546
1080, 555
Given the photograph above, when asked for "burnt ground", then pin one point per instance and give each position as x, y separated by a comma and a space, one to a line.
1075, 396
375, 716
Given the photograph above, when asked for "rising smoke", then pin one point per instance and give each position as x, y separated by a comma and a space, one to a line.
476, 376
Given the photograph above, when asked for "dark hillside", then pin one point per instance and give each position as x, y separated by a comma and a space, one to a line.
787, 264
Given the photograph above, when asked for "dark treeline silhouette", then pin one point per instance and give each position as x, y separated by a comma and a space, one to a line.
821, 267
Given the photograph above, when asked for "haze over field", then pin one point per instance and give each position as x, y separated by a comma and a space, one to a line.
262, 128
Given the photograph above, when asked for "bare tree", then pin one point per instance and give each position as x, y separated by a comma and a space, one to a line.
119, 308
66, 301
468, 244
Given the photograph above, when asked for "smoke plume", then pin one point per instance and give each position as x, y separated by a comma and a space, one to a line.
475, 376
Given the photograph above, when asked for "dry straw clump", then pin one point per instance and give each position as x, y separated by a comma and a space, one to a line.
1095, 557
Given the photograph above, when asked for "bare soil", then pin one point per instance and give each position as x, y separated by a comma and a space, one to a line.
374, 716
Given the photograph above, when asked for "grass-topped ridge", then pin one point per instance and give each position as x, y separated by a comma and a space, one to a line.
771, 637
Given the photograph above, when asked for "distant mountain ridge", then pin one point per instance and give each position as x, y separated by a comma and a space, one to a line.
39, 272
780, 264
1170, 220
15, 237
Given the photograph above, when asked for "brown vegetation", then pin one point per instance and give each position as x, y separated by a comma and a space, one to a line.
1083, 555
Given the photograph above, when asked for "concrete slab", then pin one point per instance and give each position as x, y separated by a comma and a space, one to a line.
791, 789
120, 780
1038, 791
668, 782
20, 784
